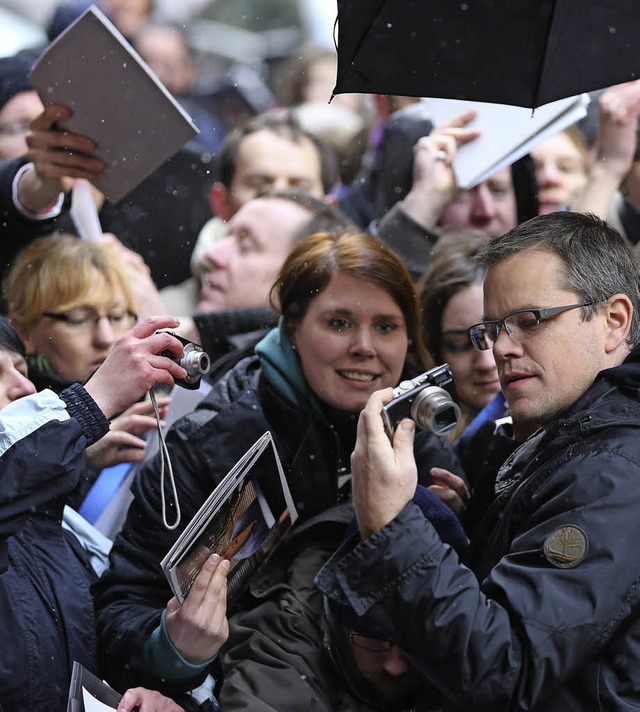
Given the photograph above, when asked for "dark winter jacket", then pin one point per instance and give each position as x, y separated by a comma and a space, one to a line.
260, 393
548, 617
283, 651
46, 610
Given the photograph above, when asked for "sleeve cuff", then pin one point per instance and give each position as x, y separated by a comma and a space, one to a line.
51, 211
165, 661
82, 407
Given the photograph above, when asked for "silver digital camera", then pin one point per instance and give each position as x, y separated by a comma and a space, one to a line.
195, 361
427, 400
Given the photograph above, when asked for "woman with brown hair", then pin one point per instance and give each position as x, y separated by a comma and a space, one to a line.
451, 296
350, 324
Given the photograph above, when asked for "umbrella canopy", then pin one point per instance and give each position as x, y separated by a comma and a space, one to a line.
519, 52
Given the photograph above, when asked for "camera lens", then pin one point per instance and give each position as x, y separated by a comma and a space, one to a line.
434, 409
195, 362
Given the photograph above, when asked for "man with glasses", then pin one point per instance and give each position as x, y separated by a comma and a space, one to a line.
547, 614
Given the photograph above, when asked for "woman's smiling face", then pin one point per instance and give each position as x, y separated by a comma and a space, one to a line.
352, 341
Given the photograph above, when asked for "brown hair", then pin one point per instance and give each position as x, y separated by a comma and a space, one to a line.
313, 262
55, 273
451, 271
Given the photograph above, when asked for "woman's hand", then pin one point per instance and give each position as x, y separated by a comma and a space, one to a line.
451, 489
123, 442
198, 628
147, 701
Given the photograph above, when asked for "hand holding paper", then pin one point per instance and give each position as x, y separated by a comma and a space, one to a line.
115, 100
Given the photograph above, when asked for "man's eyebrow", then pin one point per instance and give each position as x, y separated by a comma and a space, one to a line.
526, 307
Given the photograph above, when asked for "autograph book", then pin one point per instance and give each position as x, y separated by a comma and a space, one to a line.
242, 520
116, 100
87, 693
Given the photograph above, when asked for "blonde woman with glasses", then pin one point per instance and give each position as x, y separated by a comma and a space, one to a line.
71, 300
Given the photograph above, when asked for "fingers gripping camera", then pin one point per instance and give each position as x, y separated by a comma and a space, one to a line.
426, 400
195, 361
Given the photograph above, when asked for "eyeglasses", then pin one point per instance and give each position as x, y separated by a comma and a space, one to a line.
15, 128
519, 325
86, 320
375, 645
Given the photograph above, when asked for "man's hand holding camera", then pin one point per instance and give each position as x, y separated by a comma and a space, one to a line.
384, 471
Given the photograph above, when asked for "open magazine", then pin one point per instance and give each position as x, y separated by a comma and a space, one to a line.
88, 693
242, 520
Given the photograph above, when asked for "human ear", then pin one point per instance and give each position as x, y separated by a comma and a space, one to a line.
219, 202
618, 311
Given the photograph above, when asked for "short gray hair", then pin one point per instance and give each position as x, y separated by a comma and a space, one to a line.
598, 261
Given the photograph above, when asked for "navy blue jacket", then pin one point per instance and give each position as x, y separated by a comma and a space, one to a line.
548, 616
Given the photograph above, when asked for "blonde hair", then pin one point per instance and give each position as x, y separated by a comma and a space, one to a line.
57, 272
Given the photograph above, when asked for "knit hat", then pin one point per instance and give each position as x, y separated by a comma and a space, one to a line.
14, 75
449, 529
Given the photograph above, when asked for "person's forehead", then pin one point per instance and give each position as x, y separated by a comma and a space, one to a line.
264, 213
526, 279
503, 175
560, 144
24, 104
267, 152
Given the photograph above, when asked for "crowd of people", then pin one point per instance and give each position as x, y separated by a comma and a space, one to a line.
320, 259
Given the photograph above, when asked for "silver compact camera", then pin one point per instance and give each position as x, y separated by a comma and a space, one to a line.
427, 400
195, 361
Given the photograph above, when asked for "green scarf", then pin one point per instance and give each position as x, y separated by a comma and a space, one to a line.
281, 367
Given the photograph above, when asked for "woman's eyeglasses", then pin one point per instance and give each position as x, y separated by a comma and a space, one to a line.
520, 325
84, 319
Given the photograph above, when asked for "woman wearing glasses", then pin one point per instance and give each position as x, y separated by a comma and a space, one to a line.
71, 300
451, 296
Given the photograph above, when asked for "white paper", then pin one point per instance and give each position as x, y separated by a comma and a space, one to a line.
84, 212
508, 132
91, 704
116, 100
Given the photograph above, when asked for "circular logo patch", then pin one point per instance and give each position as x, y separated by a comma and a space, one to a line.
566, 547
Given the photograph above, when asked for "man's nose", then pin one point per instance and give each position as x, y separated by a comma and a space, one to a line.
505, 346
394, 663
219, 254
483, 207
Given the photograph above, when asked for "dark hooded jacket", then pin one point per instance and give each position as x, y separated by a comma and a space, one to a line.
548, 616
262, 392
46, 610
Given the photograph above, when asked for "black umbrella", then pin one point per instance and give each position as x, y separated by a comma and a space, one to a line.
519, 52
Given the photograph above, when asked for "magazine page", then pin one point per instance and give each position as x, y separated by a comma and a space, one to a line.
116, 100
243, 519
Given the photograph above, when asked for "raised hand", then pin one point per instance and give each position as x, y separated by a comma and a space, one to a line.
384, 473
135, 365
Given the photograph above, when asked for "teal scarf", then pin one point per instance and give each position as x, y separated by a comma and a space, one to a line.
281, 367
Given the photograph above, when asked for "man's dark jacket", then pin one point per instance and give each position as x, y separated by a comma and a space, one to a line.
548, 618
